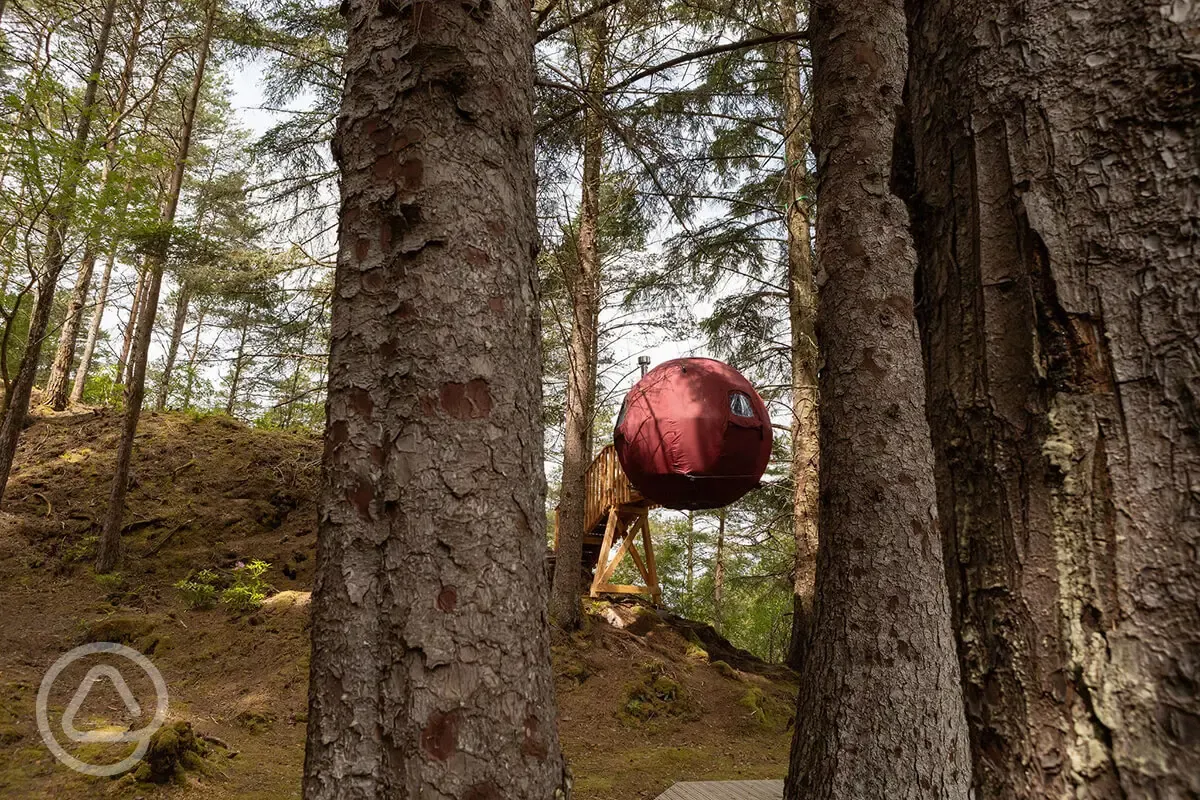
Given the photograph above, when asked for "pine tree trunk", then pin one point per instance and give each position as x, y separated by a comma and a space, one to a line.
583, 286
1056, 167
52, 263
135, 308
191, 366
181, 310
235, 380
719, 575
109, 549
89, 348
430, 669
880, 706
93, 336
691, 552
802, 312
64, 356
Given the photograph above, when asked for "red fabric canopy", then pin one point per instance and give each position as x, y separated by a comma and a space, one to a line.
693, 434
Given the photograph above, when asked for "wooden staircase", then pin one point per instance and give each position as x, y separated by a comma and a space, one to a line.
615, 517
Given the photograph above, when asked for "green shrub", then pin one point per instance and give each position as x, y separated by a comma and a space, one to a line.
249, 590
199, 590
197, 596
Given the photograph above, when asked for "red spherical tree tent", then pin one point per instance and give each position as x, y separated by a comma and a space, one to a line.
693, 434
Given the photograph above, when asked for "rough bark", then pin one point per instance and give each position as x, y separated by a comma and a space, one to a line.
583, 285
52, 262
802, 313
108, 552
880, 706
1057, 189
431, 671
181, 310
64, 355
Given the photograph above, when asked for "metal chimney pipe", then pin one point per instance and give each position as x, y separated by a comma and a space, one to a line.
644, 363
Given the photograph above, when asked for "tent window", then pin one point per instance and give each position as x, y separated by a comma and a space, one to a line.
621, 416
739, 404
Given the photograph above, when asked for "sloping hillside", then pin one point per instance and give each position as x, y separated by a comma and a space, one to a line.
645, 699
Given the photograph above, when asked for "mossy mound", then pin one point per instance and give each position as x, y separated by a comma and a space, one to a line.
657, 695
174, 750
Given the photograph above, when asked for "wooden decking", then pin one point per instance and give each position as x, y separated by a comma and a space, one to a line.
724, 790
615, 517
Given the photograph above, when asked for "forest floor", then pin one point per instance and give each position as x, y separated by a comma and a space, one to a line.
645, 699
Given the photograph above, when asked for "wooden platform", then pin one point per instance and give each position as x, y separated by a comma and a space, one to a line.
724, 790
616, 516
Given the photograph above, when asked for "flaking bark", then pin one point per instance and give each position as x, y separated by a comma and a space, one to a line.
1055, 204
430, 670
880, 707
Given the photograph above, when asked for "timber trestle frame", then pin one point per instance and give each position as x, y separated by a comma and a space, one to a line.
616, 516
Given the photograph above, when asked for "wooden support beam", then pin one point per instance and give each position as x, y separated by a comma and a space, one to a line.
652, 577
605, 546
620, 588
605, 569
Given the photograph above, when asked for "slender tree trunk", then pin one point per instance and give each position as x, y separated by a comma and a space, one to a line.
64, 357
719, 574
89, 348
236, 379
52, 262
880, 707
93, 335
802, 312
191, 367
691, 552
584, 288
296, 373
1055, 211
431, 671
109, 550
135, 308
181, 310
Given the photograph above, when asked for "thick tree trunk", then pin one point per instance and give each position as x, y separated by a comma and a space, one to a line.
181, 310
64, 356
1057, 161
93, 335
880, 706
52, 262
584, 288
109, 549
802, 313
430, 669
